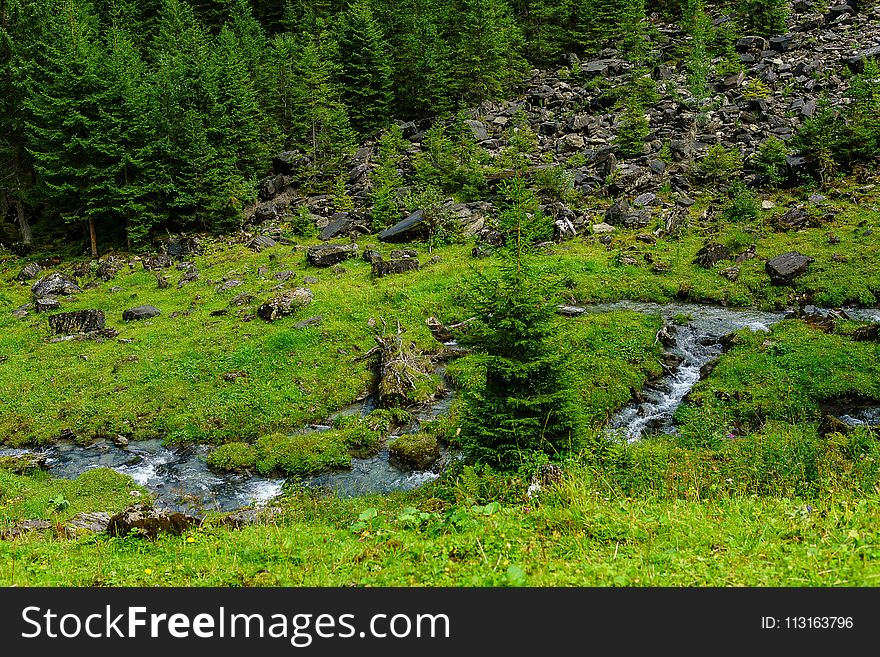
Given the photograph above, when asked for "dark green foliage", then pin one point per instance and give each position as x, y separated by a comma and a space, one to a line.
365, 71
451, 160
763, 17
769, 160
524, 403
634, 129
386, 179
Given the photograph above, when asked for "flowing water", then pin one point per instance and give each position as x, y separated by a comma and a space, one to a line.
696, 335
180, 478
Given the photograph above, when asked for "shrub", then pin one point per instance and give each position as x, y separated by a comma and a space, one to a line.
634, 130
763, 17
770, 160
743, 206
719, 164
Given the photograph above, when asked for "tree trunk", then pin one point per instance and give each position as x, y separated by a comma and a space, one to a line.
27, 237
93, 239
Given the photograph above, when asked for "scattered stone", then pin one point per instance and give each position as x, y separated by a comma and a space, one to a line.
285, 304
310, 280
87, 523
869, 333
231, 377
439, 330
308, 323
831, 424
161, 282
786, 267
413, 227
326, 255
54, 284
731, 273
156, 261
46, 304
29, 271
399, 266
139, 313
148, 522
711, 254
261, 242
371, 256
79, 321
229, 285
24, 527
179, 247
285, 275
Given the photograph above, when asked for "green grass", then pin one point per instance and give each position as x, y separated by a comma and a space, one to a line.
781, 376
581, 534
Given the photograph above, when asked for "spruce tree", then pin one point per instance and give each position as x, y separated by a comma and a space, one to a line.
66, 97
365, 71
524, 403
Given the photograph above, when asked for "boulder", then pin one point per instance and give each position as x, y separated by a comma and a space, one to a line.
285, 304
344, 224
477, 129
869, 333
148, 522
46, 304
287, 162
156, 261
180, 247
371, 256
711, 254
29, 271
87, 523
326, 255
416, 451
786, 267
54, 284
413, 227
261, 242
398, 266
79, 321
140, 312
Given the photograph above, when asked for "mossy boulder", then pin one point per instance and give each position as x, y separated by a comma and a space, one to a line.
416, 451
23, 463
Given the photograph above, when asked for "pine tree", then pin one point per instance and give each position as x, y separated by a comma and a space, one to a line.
241, 130
66, 97
524, 404
365, 71
21, 23
309, 101
485, 60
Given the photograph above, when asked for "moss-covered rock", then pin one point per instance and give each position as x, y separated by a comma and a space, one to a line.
302, 453
416, 451
23, 463
233, 457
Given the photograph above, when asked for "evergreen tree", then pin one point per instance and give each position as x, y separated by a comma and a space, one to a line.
365, 71
524, 404
485, 61
66, 97
242, 119
309, 101
21, 22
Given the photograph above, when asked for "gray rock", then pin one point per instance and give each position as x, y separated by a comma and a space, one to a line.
54, 284
87, 523
399, 266
311, 321
413, 227
29, 271
261, 242
46, 304
711, 254
140, 312
79, 321
786, 267
478, 129
179, 247
326, 255
285, 304
344, 224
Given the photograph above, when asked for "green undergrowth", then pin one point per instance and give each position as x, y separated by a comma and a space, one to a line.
479, 528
